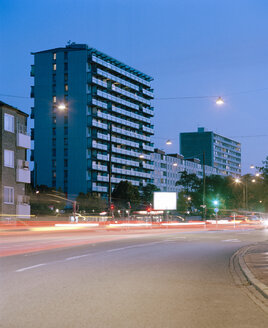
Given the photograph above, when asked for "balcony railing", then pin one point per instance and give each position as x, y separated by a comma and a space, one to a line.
120, 71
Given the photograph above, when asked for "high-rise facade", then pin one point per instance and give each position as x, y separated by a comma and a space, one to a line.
14, 167
220, 152
108, 110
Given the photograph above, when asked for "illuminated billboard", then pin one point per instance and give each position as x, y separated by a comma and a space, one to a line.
165, 200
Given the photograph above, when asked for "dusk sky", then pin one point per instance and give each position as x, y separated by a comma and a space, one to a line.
190, 47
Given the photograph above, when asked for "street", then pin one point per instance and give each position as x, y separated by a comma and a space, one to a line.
167, 279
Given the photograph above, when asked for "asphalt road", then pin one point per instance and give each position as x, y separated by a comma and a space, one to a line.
172, 279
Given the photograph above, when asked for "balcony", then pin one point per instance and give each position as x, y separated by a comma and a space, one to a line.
120, 71
32, 133
148, 148
32, 113
32, 92
32, 73
146, 129
23, 211
98, 188
23, 141
23, 175
99, 167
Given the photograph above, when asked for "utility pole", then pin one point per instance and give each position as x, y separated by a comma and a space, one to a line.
204, 187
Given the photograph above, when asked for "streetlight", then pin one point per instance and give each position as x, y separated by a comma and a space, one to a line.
219, 101
168, 142
61, 106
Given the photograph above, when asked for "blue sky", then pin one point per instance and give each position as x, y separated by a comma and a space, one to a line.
190, 47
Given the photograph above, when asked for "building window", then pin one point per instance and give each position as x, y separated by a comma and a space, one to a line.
65, 130
66, 87
66, 66
53, 131
65, 119
65, 162
65, 174
9, 122
53, 163
54, 56
54, 88
65, 77
54, 142
53, 183
54, 99
65, 142
65, 55
54, 119
54, 152
65, 152
54, 78
8, 195
54, 174
8, 158
54, 67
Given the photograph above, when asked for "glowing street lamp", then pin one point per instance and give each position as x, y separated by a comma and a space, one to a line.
61, 106
219, 101
168, 142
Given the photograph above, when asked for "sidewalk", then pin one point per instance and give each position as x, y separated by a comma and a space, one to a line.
254, 264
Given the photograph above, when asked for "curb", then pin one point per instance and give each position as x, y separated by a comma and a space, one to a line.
262, 288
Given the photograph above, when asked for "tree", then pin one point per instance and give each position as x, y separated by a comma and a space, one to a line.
148, 193
90, 202
44, 200
125, 193
189, 181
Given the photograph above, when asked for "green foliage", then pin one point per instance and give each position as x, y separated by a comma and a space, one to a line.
182, 202
44, 200
148, 193
125, 193
189, 181
90, 202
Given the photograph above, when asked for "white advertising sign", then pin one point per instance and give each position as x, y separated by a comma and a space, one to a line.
165, 200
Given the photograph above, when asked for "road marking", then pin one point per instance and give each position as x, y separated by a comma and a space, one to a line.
76, 257
31, 267
232, 240
133, 246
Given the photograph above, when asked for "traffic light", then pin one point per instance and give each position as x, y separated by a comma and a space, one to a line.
149, 208
112, 207
128, 205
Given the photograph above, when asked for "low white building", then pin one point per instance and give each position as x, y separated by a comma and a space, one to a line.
168, 169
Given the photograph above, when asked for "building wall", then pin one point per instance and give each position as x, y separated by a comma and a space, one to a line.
168, 169
220, 152
193, 144
101, 91
9, 175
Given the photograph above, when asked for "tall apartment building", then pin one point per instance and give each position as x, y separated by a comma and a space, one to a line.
14, 169
220, 152
108, 103
168, 169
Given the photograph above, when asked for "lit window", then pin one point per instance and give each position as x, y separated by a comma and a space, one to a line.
9, 123
54, 174
9, 158
54, 99
54, 56
54, 67
8, 195
66, 87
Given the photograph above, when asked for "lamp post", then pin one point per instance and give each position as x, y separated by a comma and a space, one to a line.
168, 142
